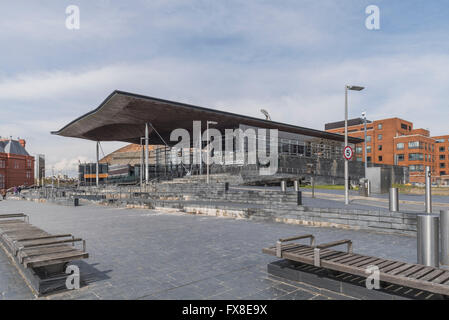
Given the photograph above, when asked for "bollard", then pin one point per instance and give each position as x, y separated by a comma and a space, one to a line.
299, 199
428, 191
76, 202
368, 183
394, 199
226, 186
296, 184
428, 240
444, 237
283, 186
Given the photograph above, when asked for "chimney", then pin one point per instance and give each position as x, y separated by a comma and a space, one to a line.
22, 142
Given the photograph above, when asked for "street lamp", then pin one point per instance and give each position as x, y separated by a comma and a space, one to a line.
366, 155
354, 88
208, 147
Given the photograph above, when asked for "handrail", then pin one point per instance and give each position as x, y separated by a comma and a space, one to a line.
281, 241
317, 250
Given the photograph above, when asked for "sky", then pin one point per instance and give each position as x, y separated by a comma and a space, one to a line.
290, 57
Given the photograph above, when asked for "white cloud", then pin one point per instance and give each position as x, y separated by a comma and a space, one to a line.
400, 85
36, 22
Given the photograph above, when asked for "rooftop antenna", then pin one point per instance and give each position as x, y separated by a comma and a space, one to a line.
266, 114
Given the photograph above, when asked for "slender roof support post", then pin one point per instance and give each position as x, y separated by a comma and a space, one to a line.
141, 162
147, 172
97, 169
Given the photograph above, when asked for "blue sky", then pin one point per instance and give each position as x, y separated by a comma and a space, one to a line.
292, 58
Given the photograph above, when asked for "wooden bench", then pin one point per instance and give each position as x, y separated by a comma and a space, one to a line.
409, 275
37, 250
34, 247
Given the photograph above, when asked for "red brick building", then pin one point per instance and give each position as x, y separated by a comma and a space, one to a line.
394, 141
442, 158
16, 165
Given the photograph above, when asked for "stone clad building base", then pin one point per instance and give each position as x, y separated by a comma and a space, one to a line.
342, 283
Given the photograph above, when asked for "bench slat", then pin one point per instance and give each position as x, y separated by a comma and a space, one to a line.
359, 260
442, 278
409, 272
347, 259
422, 273
392, 267
374, 261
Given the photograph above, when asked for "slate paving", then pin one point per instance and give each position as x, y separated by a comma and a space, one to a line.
146, 254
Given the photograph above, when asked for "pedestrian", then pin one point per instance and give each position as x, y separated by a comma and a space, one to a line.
18, 190
3, 194
15, 190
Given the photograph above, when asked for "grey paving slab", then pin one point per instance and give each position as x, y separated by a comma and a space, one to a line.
146, 254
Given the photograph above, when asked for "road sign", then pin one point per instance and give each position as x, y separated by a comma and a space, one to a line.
348, 153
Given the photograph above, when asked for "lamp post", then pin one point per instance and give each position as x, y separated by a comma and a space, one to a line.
366, 155
354, 88
208, 147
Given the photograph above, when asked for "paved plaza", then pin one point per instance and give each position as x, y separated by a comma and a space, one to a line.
145, 254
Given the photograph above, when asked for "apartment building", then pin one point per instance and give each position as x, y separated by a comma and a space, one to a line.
416, 150
442, 158
394, 141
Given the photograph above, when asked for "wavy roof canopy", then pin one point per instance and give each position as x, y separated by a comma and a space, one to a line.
122, 117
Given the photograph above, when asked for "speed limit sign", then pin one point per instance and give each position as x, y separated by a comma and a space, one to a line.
348, 153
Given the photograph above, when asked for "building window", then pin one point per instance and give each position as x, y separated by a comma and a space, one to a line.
400, 146
415, 168
415, 156
400, 157
358, 150
16, 165
442, 165
441, 149
359, 159
368, 138
439, 141
442, 157
379, 137
380, 158
368, 159
413, 145
442, 173
403, 126
379, 147
379, 126
368, 149
2, 163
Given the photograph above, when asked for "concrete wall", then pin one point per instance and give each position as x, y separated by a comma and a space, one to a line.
382, 178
